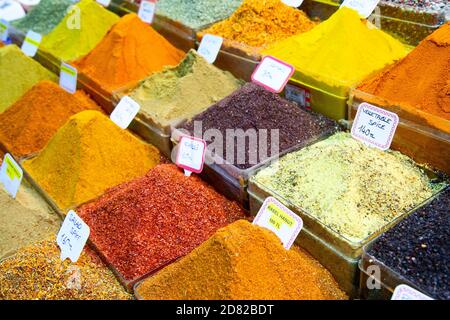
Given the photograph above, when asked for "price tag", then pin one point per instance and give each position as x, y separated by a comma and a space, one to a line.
274, 216
293, 3
191, 155
299, 95
31, 43
125, 112
11, 10
404, 292
104, 3
272, 74
4, 25
11, 175
374, 126
364, 7
72, 237
209, 47
147, 11
68, 77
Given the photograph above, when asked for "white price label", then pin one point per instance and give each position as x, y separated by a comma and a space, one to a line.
374, 126
191, 154
209, 47
11, 175
272, 74
364, 7
104, 3
72, 236
125, 112
274, 216
68, 77
11, 10
4, 26
31, 43
293, 3
147, 11
404, 292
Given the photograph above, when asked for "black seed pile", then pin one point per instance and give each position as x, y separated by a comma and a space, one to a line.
418, 248
253, 107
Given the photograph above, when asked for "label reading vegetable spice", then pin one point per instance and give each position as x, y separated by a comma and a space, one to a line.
364, 7
404, 292
191, 155
104, 3
31, 43
147, 11
125, 112
11, 175
209, 47
301, 96
72, 236
68, 78
374, 126
274, 216
293, 3
272, 74
4, 25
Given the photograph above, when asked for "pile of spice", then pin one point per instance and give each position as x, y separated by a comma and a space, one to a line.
353, 189
429, 65
422, 5
253, 108
341, 51
197, 13
147, 223
80, 31
243, 262
27, 126
130, 51
36, 272
18, 73
24, 220
43, 17
88, 155
259, 23
418, 248
183, 91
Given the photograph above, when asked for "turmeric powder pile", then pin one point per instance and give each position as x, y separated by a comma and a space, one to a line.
88, 155
242, 262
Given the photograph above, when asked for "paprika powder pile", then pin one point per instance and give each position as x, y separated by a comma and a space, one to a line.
88, 155
243, 262
147, 223
130, 51
27, 126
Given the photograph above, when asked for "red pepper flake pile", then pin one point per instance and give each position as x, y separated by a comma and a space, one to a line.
142, 225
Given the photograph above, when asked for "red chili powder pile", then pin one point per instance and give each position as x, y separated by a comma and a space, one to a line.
421, 81
145, 224
28, 125
130, 51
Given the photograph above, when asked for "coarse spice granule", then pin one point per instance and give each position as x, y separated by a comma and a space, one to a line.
129, 52
88, 155
36, 272
258, 23
197, 13
418, 247
18, 73
242, 262
254, 108
183, 91
43, 17
353, 189
145, 224
28, 125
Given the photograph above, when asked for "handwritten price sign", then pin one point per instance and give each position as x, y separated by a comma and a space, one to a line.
209, 47
272, 74
191, 154
72, 237
125, 112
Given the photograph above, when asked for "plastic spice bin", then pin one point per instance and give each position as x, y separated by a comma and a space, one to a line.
415, 136
229, 179
338, 254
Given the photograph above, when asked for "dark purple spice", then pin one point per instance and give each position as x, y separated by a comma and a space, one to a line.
253, 107
418, 248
